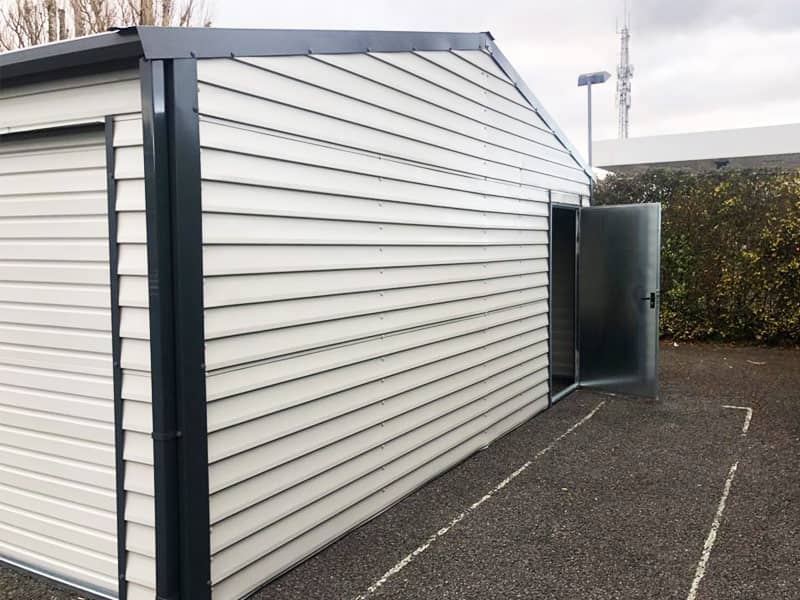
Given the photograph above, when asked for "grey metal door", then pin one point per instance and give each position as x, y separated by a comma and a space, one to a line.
620, 250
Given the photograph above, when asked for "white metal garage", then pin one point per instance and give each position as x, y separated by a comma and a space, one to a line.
328, 281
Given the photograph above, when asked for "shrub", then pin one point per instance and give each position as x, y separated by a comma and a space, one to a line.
730, 257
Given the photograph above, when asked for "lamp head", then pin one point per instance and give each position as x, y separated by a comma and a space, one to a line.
593, 78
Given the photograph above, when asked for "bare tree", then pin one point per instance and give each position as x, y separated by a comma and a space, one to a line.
29, 22
24, 24
52, 20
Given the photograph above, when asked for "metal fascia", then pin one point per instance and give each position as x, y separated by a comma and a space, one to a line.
204, 42
79, 53
112, 50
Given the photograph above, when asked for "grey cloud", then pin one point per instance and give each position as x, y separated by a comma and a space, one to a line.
659, 16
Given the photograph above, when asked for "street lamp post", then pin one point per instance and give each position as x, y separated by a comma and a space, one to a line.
589, 79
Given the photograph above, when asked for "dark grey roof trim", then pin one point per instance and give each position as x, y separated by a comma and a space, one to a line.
200, 42
177, 42
80, 52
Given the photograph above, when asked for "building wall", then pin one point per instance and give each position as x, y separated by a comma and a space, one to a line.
375, 255
137, 413
57, 455
775, 146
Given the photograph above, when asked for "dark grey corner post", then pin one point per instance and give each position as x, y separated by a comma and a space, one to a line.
175, 273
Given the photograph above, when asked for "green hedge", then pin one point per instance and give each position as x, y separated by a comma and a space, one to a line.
730, 258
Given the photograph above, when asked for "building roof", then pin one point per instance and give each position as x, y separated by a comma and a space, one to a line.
126, 46
776, 146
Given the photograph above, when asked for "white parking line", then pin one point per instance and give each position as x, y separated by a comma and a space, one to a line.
712, 535
748, 417
455, 521
726, 490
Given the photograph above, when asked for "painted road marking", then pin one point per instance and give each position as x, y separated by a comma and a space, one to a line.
726, 490
402, 564
712, 535
748, 417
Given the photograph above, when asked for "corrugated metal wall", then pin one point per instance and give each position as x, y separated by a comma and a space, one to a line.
375, 232
57, 465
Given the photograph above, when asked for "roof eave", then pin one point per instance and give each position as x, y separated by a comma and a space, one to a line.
181, 42
132, 43
112, 47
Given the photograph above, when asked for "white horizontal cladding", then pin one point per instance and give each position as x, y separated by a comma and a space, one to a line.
292, 551
353, 181
257, 229
245, 199
317, 113
57, 455
395, 100
375, 250
248, 259
62, 101
226, 321
137, 411
262, 345
292, 386
228, 382
292, 434
302, 508
408, 93
343, 171
229, 291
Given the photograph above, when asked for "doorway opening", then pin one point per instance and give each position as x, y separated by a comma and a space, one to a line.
563, 300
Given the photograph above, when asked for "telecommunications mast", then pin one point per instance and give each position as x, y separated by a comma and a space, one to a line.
624, 74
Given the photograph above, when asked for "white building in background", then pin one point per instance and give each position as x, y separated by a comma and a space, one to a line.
776, 147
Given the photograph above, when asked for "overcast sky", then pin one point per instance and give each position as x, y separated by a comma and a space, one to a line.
699, 64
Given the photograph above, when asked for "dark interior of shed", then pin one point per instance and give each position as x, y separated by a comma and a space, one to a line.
563, 303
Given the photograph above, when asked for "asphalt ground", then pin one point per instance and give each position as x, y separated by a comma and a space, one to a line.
619, 508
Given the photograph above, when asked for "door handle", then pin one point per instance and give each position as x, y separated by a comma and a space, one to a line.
652, 298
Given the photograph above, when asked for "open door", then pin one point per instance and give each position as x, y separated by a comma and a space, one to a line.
620, 250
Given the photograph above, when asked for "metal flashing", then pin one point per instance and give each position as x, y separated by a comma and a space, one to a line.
76, 53
52, 580
183, 42
162, 43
